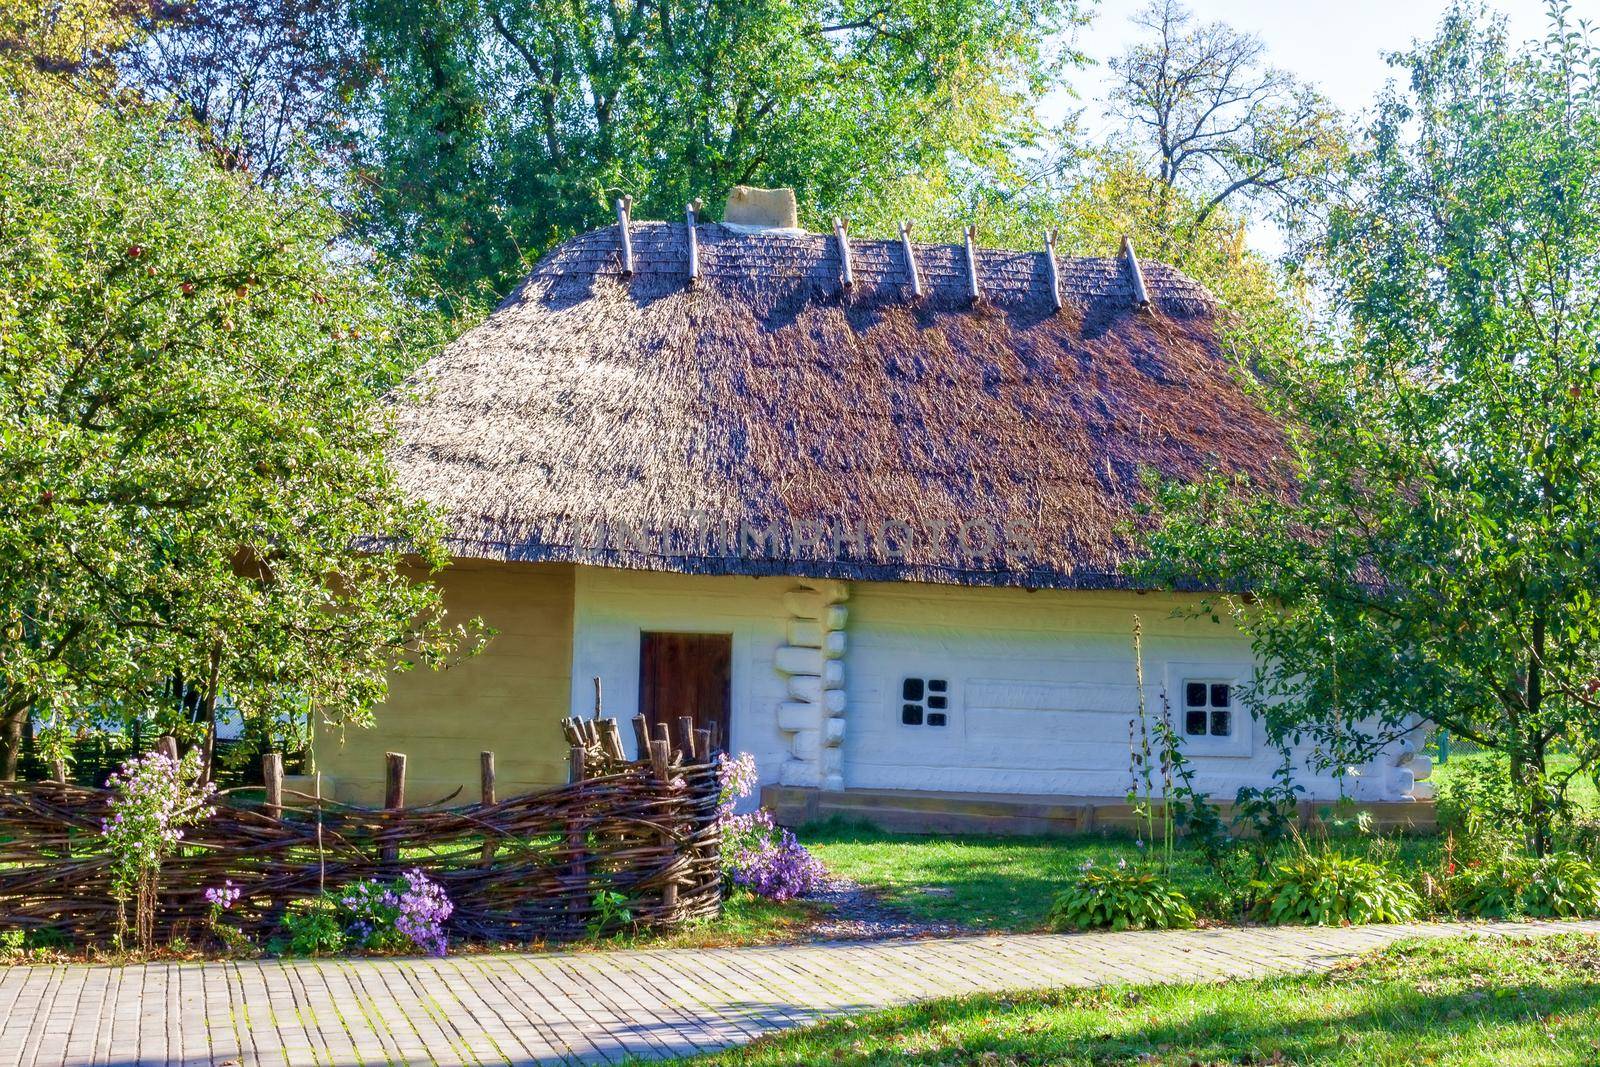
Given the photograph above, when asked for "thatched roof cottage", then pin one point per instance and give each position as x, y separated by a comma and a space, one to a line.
859, 504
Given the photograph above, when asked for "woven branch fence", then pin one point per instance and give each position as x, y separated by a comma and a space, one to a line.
526, 868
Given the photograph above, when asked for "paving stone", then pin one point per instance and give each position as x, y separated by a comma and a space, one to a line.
597, 1007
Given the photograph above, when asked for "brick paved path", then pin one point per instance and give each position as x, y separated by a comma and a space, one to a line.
593, 1007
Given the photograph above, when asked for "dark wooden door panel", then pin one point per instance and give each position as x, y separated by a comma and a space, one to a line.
686, 674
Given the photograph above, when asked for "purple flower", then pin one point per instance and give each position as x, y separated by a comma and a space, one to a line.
223, 897
424, 908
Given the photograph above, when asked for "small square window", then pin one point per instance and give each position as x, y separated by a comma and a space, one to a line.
1208, 709
926, 702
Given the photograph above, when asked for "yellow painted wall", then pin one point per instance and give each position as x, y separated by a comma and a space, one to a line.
508, 699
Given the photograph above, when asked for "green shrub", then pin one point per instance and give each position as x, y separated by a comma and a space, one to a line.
1488, 890
1330, 889
1564, 885
1120, 898
314, 927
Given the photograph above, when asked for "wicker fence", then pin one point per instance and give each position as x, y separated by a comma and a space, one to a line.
520, 869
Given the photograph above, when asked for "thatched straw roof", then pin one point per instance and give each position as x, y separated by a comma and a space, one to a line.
767, 421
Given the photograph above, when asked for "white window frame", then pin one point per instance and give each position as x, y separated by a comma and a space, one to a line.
1183, 708
1238, 744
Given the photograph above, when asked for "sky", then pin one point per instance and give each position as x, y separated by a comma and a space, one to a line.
1337, 44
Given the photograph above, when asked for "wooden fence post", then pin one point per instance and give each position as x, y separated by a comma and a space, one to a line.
394, 795
577, 844
272, 778
641, 737
486, 786
661, 763
486, 777
167, 745
686, 729
58, 771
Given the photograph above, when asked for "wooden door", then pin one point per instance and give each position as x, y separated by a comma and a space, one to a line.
686, 674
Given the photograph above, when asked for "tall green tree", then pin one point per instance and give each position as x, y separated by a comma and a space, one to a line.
494, 128
192, 472
1437, 553
1221, 128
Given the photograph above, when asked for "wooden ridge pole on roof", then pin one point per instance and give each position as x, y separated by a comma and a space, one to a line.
624, 218
1140, 295
1055, 271
841, 233
692, 214
973, 288
911, 261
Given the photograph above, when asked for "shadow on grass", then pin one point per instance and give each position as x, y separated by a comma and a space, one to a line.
1387, 1023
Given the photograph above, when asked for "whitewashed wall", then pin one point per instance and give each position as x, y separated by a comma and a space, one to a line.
1041, 684
1042, 690
612, 607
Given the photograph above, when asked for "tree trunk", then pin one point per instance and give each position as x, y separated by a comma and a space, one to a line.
13, 717
208, 743
1540, 815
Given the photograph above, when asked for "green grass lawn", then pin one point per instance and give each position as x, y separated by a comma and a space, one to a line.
1459, 1002
1007, 883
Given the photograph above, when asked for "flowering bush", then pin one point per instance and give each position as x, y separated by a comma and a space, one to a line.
368, 910
154, 798
737, 777
222, 898
409, 912
424, 909
757, 853
1119, 898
